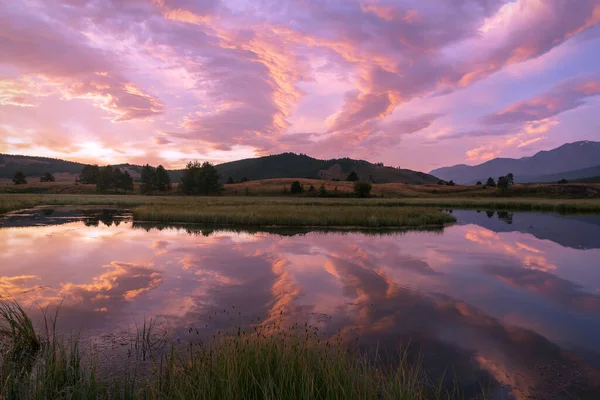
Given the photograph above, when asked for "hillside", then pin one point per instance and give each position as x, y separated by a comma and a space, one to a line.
287, 165
290, 165
570, 157
583, 175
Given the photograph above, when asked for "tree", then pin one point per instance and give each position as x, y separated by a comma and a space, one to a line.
362, 189
126, 182
163, 180
490, 182
47, 177
312, 189
296, 188
89, 174
230, 181
450, 183
200, 179
105, 179
117, 180
244, 179
352, 177
478, 183
504, 182
510, 178
562, 181
19, 178
149, 180
322, 190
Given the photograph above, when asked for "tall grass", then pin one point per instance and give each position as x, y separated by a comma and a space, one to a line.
269, 361
296, 215
11, 202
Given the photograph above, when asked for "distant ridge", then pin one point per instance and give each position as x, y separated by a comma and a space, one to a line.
286, 165
569, 161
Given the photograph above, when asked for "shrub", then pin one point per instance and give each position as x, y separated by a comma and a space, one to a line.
352, 177
362, 189
296, 188
19, 178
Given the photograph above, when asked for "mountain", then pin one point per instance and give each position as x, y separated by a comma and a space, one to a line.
568, 157
286, 165
572, 176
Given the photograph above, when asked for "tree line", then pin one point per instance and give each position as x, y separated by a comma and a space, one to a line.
503, 183
107, 178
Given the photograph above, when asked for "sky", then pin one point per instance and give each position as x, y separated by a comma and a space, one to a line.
416, 84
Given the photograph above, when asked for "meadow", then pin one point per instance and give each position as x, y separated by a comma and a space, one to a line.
263, 361
297, 211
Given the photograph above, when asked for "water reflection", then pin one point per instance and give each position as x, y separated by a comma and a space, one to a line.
488, 297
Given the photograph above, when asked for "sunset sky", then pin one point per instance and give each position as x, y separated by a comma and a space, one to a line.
413, 83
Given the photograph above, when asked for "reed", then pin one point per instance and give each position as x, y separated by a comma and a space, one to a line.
266, 361
296, 215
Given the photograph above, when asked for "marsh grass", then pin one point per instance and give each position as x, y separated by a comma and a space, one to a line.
12, 202
265, 361
295, 215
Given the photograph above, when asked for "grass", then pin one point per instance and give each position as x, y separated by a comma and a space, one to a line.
298, 211
269, 361
375, 216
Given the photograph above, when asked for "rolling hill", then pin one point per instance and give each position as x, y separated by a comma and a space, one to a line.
290, 165
577, 159
286, 165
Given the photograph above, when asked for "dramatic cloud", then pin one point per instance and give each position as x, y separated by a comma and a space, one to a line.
564, 97
223, 79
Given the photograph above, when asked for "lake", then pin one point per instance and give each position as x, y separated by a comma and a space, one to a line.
508, 299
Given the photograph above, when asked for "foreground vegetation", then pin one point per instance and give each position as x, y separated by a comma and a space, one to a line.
270, 361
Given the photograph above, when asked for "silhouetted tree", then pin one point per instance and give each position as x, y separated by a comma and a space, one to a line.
105, 179
352, 177
244, 179
490, 182
322, 190
230, 181
504, 182
562, 181
163, 180
200, 179
362, 189
296, 188
312, 189
117, 180
89, 175
478, 183
149, 180
510, 178
450, 183
19, 178
126, 182
47, 177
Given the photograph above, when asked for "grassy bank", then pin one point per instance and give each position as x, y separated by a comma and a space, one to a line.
296, 215
297, 211
266, 362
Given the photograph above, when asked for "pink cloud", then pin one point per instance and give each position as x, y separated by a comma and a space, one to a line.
218, 76
565, 96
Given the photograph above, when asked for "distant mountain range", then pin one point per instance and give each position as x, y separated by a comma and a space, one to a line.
571, 161
286, 165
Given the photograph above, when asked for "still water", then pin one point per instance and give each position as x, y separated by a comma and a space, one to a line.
510, 300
